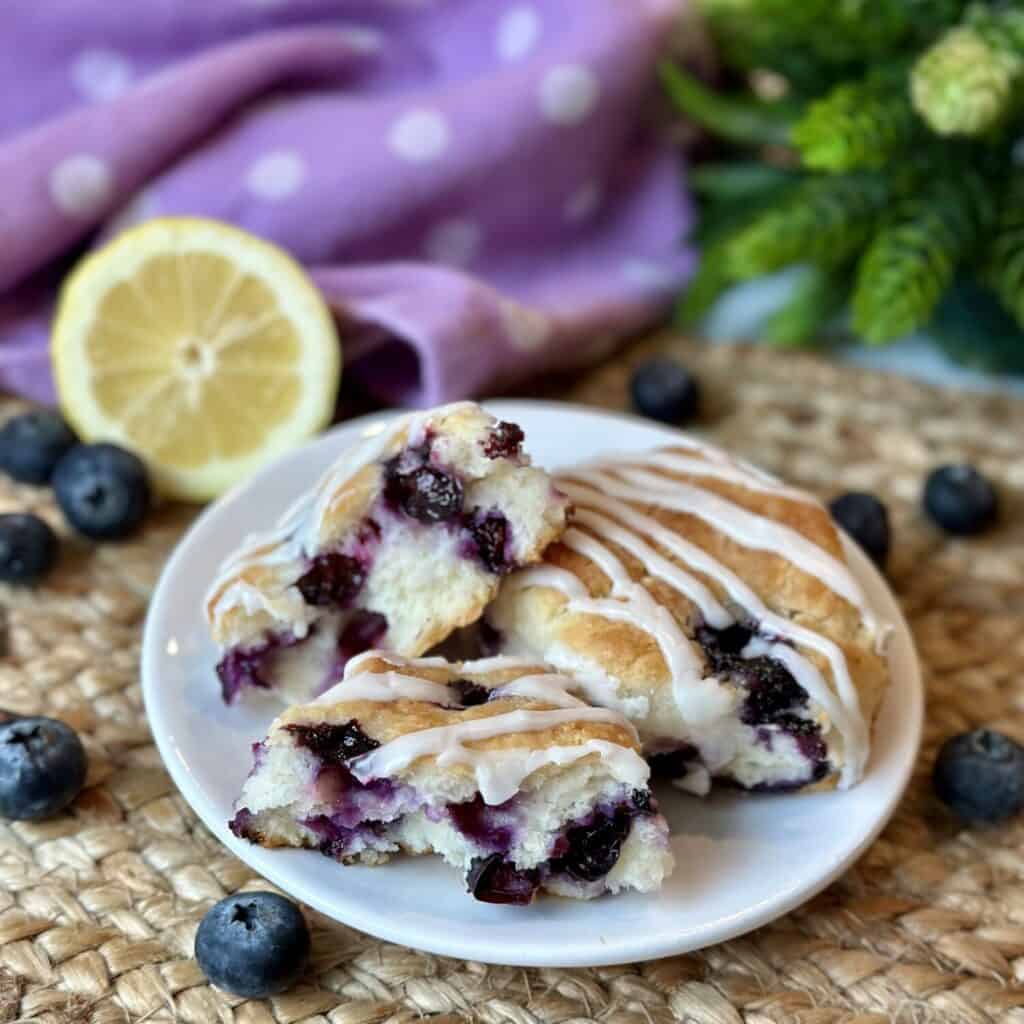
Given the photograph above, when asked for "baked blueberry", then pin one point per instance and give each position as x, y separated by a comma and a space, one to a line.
960, 499
32, 444
332, 579
253, 944
866, 520
665, 390
595, 848
980, 775
28, 548
333, 744
494, 880
426, 493
102, 490
42, 767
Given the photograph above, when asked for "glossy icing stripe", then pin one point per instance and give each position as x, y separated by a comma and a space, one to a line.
728, 471
744, 527
296, 534
386, 686
500, 773
849, 721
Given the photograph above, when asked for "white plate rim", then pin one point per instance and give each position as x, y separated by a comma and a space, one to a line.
390, 928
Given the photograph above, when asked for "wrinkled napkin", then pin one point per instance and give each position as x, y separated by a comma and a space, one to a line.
477, 186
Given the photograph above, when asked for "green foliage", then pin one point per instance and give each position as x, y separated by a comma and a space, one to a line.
815, 43
741, 120
912, 260
826, 220
971, 327
964, 84
1003, 269
883, 164
857, 125
816, 300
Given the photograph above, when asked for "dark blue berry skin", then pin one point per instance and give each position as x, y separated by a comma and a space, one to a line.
866, 520
102, 490
28, 548
980, 776
665, 391
42, 768
253, 944
32, 444
960, 499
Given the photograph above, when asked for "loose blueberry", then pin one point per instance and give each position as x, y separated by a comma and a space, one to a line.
980, 776
665, 390
960, 499
866, 520
333, 744
42, 767
494, 880
28, 548
103, 490
332, 580
253, 944
31, 445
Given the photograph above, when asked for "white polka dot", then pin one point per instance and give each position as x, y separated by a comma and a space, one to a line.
82, 185
142, 206
365, 40
645, 274
276, 175
568, 93
101, 74
518, 31
419, 136
526, 328
583, 203
455, 241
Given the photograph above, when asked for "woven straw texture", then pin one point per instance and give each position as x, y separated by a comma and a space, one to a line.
98, 908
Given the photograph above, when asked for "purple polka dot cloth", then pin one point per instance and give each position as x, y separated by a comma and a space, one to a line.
477, 186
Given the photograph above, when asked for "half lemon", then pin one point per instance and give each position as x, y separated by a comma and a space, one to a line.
202, 348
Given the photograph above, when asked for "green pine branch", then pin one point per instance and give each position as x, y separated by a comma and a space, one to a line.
815, 43
913, 258
968, 82
825, 221
857, 126
1003, 268
739, 119
817, 298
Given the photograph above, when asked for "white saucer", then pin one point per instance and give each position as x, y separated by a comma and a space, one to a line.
741, 860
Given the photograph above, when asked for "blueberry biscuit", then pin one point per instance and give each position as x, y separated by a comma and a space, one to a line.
403, 540
714, 606
497, 765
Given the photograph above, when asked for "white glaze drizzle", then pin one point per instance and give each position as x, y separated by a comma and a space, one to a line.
386, 686
500, 773
296, 533
843, 712
744, 527
726, 469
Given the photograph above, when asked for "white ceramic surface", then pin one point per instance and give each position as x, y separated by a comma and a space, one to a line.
741, 860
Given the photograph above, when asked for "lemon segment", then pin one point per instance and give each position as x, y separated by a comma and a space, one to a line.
202, 348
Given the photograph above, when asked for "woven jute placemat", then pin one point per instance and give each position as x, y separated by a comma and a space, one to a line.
98, 908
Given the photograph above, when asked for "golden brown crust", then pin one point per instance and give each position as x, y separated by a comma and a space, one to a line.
387, 720
539, 614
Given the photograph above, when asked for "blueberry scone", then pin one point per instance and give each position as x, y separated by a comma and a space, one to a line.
712, 605
497, 765
402, 541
